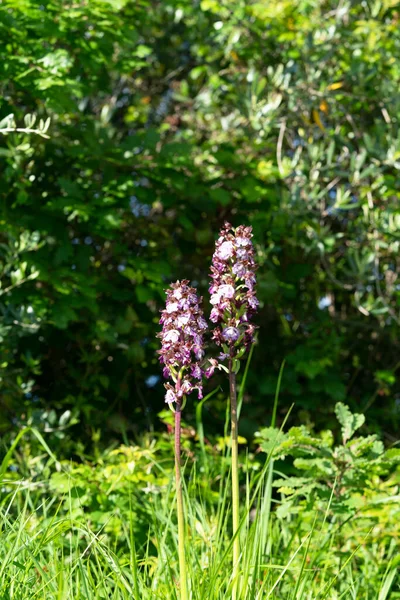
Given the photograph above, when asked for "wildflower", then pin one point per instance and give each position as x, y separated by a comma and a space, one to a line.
232, 290
230, 334
181, 348
210, 370
234, 302
182, 345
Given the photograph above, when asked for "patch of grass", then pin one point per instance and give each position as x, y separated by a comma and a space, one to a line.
49, 550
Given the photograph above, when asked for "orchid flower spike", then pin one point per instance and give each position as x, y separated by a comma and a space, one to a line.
232, 290
182, 347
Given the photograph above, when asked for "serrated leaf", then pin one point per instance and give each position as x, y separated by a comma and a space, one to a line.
288, 491
291, 482
321, 466
350, 422
272, 438
393, 454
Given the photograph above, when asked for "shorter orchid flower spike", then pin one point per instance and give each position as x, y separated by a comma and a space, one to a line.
182, 347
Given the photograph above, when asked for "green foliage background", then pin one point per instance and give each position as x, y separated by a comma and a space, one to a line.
166, 119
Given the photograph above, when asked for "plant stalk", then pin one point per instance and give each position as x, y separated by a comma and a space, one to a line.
235, 479
179, 503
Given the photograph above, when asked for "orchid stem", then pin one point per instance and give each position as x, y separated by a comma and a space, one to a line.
235, 479
179, 503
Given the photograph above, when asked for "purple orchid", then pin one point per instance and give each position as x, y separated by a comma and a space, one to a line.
182, 346
232, 290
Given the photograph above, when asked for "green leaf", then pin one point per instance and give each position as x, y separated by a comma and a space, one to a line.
350, 422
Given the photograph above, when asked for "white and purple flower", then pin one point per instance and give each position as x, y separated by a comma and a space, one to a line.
183, 325
232, 290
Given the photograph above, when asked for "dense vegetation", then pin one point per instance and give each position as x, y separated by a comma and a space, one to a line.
167, 118
105, 528
160, 120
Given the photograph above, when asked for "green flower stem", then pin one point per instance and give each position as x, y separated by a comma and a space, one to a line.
179, 503
235, 479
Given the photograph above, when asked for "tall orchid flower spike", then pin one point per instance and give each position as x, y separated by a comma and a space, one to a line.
234, 302
232, 291
181, 353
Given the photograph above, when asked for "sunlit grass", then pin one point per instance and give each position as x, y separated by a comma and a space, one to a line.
46, 553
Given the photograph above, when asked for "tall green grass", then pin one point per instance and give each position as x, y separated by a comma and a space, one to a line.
45, 553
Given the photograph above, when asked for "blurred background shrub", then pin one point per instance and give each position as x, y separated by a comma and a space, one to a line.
166, 119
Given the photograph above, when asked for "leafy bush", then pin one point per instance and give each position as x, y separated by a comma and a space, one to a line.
167, 118
354, 484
